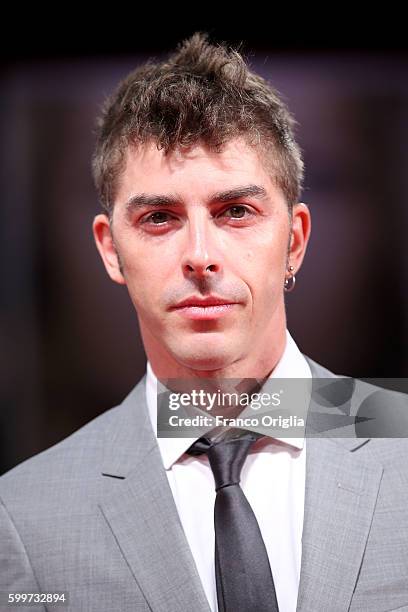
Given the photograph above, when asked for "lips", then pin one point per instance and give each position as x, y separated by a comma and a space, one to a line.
203, 302
210, 307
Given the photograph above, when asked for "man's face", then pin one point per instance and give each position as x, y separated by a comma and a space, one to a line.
202, 238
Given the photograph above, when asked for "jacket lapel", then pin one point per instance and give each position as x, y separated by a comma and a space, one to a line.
139, 509
340, 497
341, 491
138, 506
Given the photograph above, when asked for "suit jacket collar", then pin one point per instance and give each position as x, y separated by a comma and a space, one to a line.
351, 443
140, 511
131, 434
341, 491
342, 484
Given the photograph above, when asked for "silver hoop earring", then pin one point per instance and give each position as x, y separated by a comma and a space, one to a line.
290, 282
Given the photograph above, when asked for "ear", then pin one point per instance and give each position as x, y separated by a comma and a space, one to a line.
301, 227
106, 247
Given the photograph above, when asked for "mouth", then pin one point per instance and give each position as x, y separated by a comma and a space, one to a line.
205, 312
204, 308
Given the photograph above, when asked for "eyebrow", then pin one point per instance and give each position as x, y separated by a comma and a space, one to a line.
142, 200
240, 192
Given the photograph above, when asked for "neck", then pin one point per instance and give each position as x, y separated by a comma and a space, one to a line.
249, 371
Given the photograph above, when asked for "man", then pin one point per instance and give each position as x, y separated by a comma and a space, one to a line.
199, 175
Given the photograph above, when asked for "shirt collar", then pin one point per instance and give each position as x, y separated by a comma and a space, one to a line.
292, 364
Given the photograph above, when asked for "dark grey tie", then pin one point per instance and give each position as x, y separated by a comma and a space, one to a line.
243, 574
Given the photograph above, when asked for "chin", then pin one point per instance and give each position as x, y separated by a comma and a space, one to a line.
204, 356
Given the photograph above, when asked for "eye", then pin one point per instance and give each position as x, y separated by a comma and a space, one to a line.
238, 211
157, 218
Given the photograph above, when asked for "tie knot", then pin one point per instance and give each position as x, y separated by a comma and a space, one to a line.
227, 458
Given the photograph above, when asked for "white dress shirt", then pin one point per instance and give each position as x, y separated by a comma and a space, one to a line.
273, 480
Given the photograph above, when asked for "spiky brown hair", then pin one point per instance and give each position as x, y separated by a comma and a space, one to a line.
203, 93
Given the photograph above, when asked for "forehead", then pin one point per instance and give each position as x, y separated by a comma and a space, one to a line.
194, 171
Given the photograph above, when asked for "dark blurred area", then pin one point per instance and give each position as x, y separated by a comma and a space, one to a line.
69, 336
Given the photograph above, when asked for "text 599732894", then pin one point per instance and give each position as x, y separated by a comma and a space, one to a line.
27, 599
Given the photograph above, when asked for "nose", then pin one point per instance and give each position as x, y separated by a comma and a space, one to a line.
201, 256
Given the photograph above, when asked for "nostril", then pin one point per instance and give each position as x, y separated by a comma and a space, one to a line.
210, 268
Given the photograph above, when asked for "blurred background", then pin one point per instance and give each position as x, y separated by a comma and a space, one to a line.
69, 337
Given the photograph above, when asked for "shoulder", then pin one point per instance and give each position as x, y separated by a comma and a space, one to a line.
319, 371
378, 415
76, 459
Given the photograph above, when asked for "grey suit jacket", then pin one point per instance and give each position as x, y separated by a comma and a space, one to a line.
94, 517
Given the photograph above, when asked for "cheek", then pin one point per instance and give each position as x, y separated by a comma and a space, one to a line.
144, 266
145, 282
262, 269
263, 265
